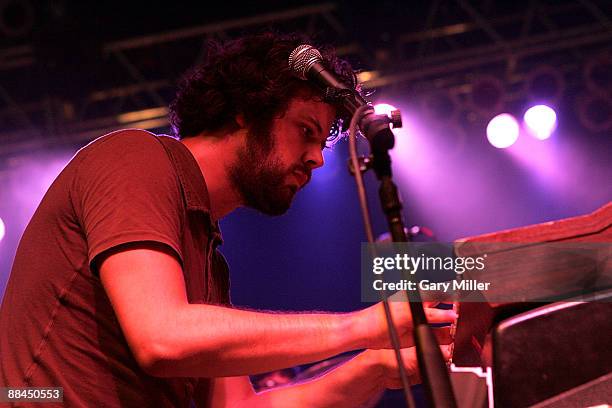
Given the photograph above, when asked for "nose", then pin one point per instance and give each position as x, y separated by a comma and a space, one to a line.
314, 158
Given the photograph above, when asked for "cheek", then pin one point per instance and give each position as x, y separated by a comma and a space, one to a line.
293, 157
291, 152
281, 161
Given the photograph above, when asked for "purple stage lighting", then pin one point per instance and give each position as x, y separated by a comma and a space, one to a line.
540, 121
384, 108
2, 229
503, 131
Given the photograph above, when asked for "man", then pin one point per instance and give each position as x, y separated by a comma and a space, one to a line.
118, 293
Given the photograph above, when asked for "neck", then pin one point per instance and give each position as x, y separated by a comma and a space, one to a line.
214, 153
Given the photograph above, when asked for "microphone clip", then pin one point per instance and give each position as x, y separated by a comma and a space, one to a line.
365, 164
336, 96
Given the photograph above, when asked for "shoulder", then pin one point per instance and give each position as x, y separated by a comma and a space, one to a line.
124, 160
123, 142
128, 148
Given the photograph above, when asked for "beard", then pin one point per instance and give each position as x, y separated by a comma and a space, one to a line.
259, 178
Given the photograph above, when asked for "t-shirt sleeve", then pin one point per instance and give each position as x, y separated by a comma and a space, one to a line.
126, 191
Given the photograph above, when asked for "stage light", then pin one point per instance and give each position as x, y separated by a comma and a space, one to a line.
597, 75
503, 131
2, 229
487, 96
384, 109
595, 112
545, 84
145, 119
540, 121
366, 76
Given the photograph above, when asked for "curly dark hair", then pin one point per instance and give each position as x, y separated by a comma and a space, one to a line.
248, 76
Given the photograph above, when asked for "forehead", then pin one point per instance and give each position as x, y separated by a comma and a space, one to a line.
322, 112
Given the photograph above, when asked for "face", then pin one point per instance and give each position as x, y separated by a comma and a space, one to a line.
267, 178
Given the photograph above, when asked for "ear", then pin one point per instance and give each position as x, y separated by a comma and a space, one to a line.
239, 119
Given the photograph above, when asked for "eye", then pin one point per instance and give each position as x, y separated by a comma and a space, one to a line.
307, 132
309, 136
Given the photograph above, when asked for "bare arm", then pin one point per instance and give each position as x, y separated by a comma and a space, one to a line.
170, 337
353, 384
356, 383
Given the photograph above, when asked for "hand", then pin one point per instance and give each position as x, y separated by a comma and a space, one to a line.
387, 363
373, 323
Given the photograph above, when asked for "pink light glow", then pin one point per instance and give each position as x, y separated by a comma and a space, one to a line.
442, 183
2, 229
384, 108
503, 131
540, 121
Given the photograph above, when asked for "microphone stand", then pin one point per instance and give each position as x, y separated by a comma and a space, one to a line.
431, 362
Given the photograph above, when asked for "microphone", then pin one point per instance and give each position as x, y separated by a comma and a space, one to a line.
306, 62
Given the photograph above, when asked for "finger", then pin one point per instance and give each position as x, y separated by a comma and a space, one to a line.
440, 315
446, 351
433, 314
430, 298
438, 296
443, 335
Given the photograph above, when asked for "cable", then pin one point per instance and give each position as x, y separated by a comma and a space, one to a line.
365, 212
